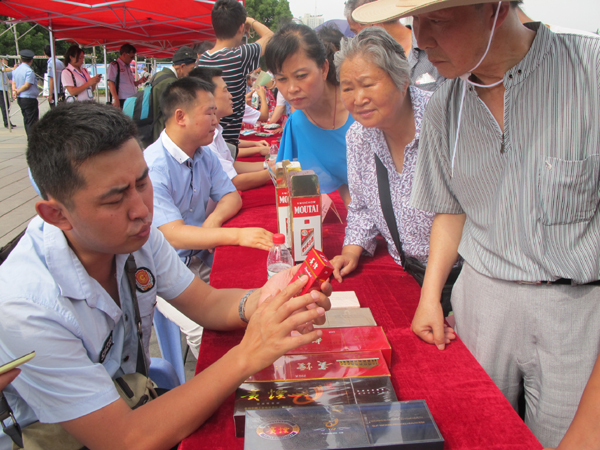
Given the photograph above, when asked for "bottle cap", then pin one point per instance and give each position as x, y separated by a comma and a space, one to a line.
278, 238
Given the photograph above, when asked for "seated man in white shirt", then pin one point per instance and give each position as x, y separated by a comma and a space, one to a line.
67, 294
244, 175
250, 148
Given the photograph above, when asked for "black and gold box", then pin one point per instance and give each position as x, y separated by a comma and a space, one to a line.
393, 426
308, 393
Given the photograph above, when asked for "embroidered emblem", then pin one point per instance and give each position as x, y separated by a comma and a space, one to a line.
144, 280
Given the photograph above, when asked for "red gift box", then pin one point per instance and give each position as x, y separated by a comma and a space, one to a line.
355, 339
324, 366
318, 269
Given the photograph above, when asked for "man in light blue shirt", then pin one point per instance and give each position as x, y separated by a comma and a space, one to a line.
187, 178
50, 71
66, 294
25, 90
5, 82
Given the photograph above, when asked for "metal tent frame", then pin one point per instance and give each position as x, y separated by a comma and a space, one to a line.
155, 27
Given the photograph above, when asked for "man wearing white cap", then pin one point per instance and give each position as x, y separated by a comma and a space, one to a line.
511, 166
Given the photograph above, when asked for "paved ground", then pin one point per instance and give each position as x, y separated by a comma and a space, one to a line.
18, 198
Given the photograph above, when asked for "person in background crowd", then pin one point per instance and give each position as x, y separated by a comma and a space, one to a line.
250, 148
260, 93
5, 78
185, 175
509, 163
230, 23
184, 60
315, 134
243, 175
76, 80
127, 84
68, 294
51, 77
25, 90
423, 74
280, 111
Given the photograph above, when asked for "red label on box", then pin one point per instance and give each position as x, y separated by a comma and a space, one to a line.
306, 206
307, 240
324, 366
283, 197
352, 339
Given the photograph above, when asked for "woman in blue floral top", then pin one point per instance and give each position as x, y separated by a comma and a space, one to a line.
374, 77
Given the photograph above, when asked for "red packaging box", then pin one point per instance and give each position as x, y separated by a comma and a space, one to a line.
318, 269
355, 339
324, 366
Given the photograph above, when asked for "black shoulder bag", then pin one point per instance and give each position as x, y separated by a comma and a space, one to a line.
411, 265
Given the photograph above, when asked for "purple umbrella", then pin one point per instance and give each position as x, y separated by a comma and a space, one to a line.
340, 24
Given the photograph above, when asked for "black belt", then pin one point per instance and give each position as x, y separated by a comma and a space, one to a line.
565, 281
568, 281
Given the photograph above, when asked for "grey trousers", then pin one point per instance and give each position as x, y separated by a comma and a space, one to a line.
544, 336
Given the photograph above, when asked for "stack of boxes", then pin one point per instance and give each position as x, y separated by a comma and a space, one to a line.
335, 392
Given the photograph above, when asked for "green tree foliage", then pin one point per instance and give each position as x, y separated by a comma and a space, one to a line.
272, 13
35, 40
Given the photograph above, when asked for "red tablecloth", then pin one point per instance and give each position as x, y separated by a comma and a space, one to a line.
469, 410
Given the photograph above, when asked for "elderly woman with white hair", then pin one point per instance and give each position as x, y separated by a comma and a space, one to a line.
374, 77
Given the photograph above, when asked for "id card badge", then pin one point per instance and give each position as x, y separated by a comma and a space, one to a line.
90, 93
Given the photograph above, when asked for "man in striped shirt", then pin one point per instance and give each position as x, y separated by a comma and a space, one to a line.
236, 61
510, 164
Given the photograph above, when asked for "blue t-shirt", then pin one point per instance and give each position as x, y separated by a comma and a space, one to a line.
323, 151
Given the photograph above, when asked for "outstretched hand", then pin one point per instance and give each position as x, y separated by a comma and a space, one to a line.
269, 333
343, 265
255, 238
280, 281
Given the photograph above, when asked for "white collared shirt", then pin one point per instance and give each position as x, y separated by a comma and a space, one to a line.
220, 148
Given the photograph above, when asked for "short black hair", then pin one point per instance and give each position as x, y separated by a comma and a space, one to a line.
127, 48
292, 37
227, 16
206, 73
201, 47
182, 93
72, 52
67, 136
47, 50
26, 60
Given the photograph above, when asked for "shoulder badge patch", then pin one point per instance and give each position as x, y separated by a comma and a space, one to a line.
144, 280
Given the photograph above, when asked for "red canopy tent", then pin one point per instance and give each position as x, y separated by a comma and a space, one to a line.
155, 27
